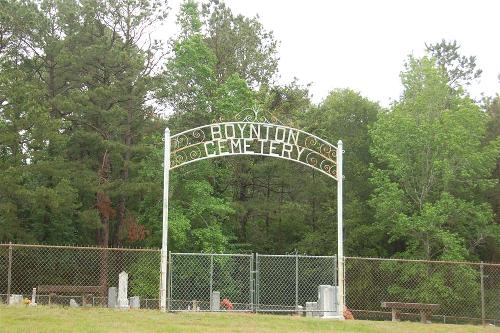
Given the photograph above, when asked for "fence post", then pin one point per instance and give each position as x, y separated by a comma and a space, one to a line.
164, 235
340, 229
251, 284
343, 285
169, 289
257, 296
211, 279
335, 272
481, 270
9, 273
296, 281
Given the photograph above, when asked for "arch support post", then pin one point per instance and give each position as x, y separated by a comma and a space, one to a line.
164, 239
340, 231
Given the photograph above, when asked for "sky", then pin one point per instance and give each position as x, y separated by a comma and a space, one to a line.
362, 44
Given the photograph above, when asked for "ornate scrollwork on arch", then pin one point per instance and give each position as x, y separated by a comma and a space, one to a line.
193, 137
258, 116
253, 138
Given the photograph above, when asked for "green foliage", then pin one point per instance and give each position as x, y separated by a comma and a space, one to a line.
347, 115
451, 286
431, 157
81, 142
241, 45
460, 70
144, 279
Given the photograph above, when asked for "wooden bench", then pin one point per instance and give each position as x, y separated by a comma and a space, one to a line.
53, 290
425, 309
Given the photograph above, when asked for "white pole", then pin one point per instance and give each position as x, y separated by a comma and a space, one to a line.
164, 238
340, 236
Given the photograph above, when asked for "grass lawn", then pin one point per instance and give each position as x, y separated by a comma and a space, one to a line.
64, 319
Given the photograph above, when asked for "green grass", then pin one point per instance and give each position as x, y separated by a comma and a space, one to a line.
64, 319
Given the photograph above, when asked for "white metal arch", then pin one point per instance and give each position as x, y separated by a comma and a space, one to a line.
253, 138
257, 139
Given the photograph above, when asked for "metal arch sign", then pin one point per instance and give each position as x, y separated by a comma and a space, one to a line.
253, 138
257, 136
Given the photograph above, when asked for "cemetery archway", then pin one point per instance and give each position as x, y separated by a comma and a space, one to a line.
256, 136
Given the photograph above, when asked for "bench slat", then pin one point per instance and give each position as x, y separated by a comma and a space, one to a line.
418, 306
68, 289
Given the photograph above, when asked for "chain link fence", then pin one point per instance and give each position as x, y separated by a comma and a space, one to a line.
285, 282
260, 283
195, 276
466, 292
85, 272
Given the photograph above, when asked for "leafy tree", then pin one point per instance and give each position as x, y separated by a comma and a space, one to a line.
205, 81
491, 250
37, 201
241, 45
81, 143
345, 115
460, 70
74, 87
430, 158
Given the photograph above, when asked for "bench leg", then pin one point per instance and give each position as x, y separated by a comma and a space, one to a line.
424, 316
396, 314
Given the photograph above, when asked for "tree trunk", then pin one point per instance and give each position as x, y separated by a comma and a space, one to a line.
122, 227
105, 211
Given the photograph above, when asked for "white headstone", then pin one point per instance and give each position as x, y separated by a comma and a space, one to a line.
135, 302
215, 301
300, 310
33, 297
112, 297
196, 306
122, 290
15, 299
73, 303
311, 307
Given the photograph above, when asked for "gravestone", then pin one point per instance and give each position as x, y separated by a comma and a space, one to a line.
33, 297
300, 310
215, 301
112, 297
73, 303
311, 307
327, 302
122, 291
87, 300
15, 299
135, 302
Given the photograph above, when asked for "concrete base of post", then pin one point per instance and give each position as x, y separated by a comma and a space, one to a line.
336, 317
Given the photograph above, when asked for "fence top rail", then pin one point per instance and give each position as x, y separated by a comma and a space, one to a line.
212, 254
70, 247
427, 261
250, 255
295, 255
93, 247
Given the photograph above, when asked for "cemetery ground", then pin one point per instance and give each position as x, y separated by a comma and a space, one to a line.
65, 319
